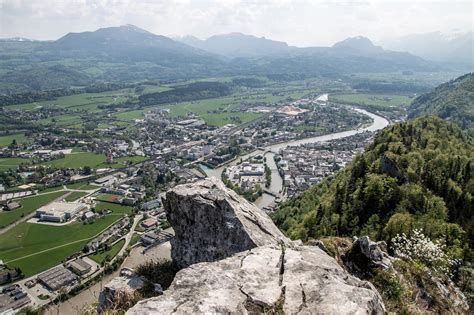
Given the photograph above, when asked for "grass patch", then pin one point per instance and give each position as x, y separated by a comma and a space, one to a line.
135, 239
123, 161
82, 186
107, 255
77, 160
10, 163
75, 195
34, 247
222, 119
116, 208
28, 205
130, 115
94, 160
51, 189
380, 100
7, 139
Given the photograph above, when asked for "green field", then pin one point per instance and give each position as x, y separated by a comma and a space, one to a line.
37, 247
9, 163
215, 111
75, 195
379, 100
7, 140
28, 205
135, 238
116, 208
88, 101
94, 160
101, 256
82, 186
222, 119
51, 189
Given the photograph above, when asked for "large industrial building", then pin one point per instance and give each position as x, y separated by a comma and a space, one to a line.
59, 211
56, 278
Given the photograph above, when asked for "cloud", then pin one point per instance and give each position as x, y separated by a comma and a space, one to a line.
299, 22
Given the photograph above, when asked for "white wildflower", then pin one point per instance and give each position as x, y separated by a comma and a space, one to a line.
419, 247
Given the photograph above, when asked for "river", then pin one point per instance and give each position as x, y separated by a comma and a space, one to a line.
266, 200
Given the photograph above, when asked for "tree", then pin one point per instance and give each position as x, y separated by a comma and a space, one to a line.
87, 170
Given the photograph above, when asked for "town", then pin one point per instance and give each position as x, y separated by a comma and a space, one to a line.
108, 187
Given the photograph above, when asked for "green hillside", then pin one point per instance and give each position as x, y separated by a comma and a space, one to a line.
416, 174
453, 100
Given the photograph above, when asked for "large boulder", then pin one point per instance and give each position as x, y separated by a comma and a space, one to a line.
212, 222
239, 262
266, 279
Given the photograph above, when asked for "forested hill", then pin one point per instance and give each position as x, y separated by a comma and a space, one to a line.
416, 174
453, 100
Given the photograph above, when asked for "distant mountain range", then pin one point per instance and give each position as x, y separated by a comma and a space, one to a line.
454, 48
128, 54
238, 45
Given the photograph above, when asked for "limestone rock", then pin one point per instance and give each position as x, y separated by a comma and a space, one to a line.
239, 262
118, 289
302, 279
212, 222
376, 252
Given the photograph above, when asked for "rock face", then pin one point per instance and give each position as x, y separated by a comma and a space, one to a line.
266, 279
212, 222
247, 266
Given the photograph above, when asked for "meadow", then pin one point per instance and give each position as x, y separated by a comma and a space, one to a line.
7, 139
379, 100
94, 160
10, 163
74, 196
36, 247
82, 186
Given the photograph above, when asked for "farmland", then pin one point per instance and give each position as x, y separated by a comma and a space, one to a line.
383, 100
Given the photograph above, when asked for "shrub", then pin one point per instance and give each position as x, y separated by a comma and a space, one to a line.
420, 248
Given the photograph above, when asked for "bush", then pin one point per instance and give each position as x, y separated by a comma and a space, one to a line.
420, 248
161, 271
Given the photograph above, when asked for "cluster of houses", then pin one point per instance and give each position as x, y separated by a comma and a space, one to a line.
115, 231
304, 165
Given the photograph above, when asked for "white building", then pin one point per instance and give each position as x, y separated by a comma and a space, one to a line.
59, 211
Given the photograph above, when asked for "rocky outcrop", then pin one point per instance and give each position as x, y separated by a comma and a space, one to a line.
373, 253
247, 265
212, 222
118, 290
266, 279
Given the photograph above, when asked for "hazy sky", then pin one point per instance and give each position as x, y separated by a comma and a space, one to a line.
298, 22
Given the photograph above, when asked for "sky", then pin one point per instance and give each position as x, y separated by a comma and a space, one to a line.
297, 22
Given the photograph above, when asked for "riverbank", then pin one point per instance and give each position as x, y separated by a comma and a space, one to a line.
269, 152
